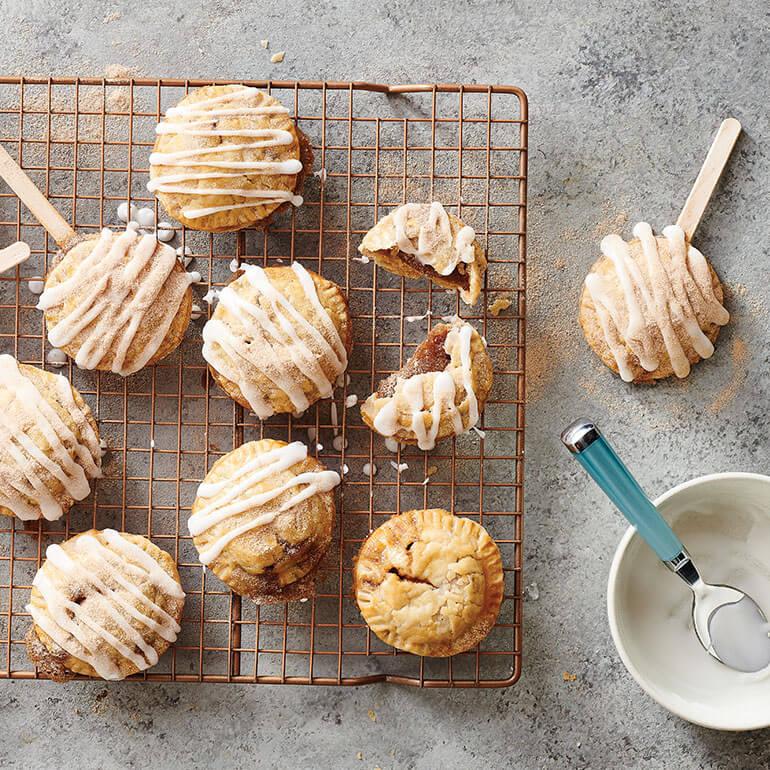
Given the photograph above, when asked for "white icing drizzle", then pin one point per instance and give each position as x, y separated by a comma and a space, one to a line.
443, 386
103, 312
201, 119
71, 457
434, 245
659, 299
277, 339
229, 499
110, 572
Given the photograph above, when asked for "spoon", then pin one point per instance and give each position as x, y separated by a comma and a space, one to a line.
728, 622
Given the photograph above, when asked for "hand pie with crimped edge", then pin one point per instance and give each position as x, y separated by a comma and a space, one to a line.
228, 157
104, 604
422, 240
440, 392
651, 307
263, 518
117, 302
49, 443
278, 339
429, 582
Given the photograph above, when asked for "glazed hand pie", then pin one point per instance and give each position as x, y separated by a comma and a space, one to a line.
49, 443
429, 582
117, 302
104, 604
422, 240
228, 157
278, 339
440, 392
263, 519
653, 306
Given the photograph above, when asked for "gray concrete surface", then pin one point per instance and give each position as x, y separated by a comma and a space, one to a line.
624, 100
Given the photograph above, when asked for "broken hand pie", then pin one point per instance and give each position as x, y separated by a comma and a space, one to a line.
422, 240
440, 392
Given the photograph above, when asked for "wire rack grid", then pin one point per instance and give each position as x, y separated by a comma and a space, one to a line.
86, 143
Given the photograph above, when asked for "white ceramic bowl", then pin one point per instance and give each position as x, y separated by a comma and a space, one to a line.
649, 607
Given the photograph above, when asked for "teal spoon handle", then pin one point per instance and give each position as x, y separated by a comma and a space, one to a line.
595, 454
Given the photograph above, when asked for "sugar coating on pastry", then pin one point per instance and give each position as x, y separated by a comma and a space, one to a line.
651, 307
429, 582
49, 443
440, 392
278, 339
104, 604
228, 157
262, 519
423, 240
117, 302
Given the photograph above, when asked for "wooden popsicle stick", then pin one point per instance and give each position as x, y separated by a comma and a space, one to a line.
14, 255
34, 200
712, 169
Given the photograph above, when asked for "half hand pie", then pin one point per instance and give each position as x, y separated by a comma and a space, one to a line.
228, 157
422, 240
651, 307
440, 392
49, 443
263, 519
117, 302
429, 582
104, 604
278, 339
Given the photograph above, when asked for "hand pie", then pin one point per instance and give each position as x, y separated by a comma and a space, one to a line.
278, 339
421, 240
228, 157
263, 520
440, 392
117, 302
104, 604
49, 443
429, 582
653, 306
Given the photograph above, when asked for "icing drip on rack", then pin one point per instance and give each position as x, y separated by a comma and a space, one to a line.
427, 396
202, 119
662, 299
274, 337
231, 497
115, 577
102, 313
71, 457
434, 245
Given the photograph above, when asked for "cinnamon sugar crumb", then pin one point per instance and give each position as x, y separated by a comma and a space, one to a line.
276, 58
740, 357
371, 714
567, 677
500, 304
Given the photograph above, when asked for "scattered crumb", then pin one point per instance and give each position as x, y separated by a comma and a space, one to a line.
110, 17
372, 715
359, 755
560, 264
567, 677
500, 304
117, 72
740, 357
264, 43
432, 469
276, 58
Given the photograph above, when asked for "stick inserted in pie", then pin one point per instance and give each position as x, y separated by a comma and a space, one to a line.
228, 157
422, 240
429, 582
278, 339
263, 520
49, 443
651, 307
104, 604
117, 302
440, 392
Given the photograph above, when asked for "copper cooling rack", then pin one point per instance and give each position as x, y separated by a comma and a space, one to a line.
86, 143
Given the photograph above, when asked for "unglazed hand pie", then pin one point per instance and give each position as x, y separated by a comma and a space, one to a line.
440, 392
429, 582
228, 157
104, 604
117, 302
653, 306
49, 443
263, 519
422, 240
278, 339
